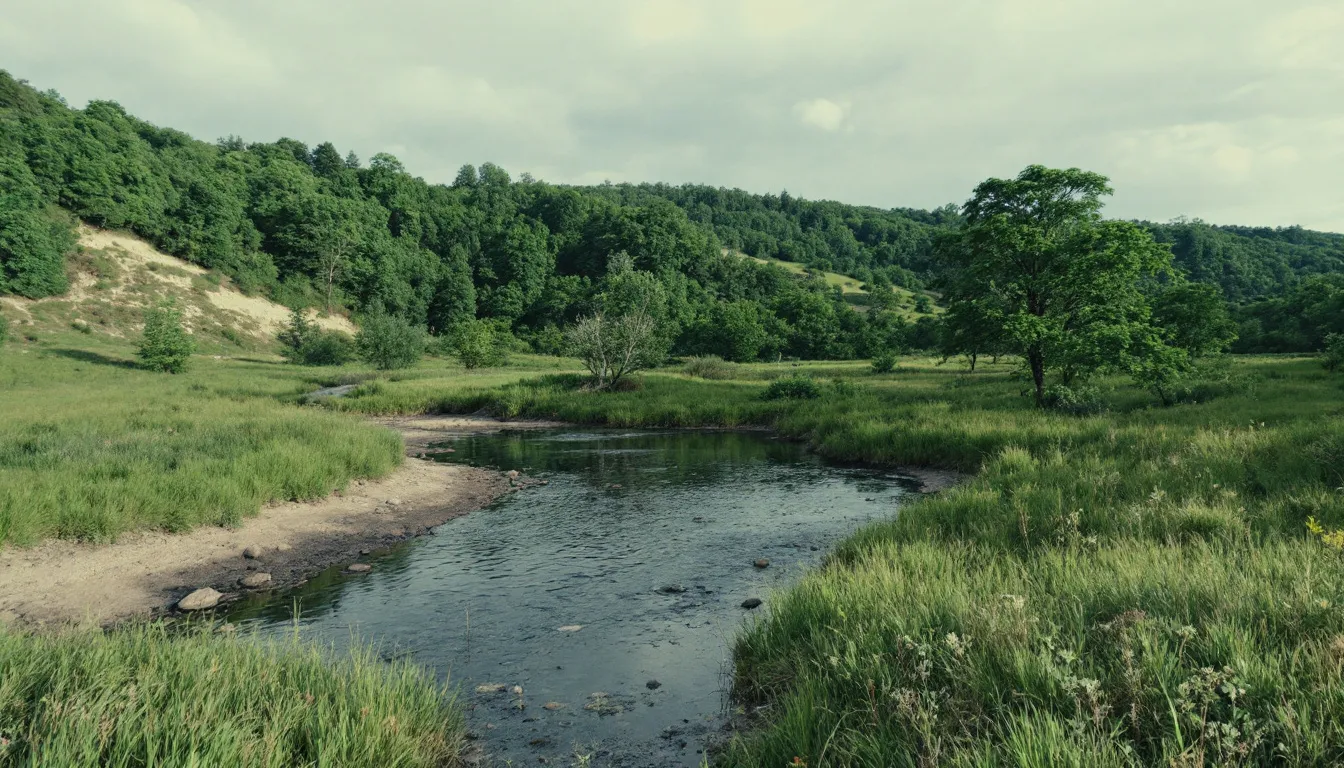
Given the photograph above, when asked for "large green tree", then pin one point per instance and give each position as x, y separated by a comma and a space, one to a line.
1063, 282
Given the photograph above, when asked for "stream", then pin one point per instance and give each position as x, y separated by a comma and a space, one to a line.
609, 595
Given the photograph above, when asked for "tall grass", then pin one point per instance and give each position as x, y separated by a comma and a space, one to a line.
93, 447
1135, 587
143, 697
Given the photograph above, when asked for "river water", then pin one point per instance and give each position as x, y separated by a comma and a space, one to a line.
609, 595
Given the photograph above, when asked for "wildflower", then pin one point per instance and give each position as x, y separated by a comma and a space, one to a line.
798, 761
1187, 633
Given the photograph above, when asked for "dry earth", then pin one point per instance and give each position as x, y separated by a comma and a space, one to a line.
141, 574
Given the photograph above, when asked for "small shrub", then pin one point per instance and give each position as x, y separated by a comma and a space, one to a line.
708, 367
4, 329
165, 344
328, 348
844, 388
884, 363
1333, 358
1075, 401
81, 326
793, 388
388, 342
478, 344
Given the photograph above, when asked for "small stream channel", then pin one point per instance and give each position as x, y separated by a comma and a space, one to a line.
641, 546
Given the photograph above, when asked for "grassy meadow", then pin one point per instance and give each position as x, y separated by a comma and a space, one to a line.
95, 447
1134, 586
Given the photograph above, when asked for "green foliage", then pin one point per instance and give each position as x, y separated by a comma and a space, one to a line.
148, 695
1194, 317
304, 343
1080, 400
708, 367
613, 347
33, 245
389, 342
479, 344
885, 362
1332, 359
4, 328
165, 345
796, 387
1059, 284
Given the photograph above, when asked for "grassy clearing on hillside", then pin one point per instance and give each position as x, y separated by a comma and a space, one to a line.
852, 288
141, 697
1131, 588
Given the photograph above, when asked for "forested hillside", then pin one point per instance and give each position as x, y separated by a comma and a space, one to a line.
311, 226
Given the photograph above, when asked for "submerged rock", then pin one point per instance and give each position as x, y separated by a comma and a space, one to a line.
254, 580
762, 563
359, 568
751, 602
491, 688
672, 589
200, 600
653, 685
553, 706
570, 628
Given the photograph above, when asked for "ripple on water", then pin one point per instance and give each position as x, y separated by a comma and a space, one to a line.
561, 590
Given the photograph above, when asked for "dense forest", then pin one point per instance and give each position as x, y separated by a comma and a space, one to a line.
310, 226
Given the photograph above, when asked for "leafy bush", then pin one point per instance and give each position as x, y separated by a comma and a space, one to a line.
1076, 401
479, 344
795, 387
165, 344
329, 348
1333, 360
304, 343
390, 341
844, 387
708, 367
615, 346
884, 363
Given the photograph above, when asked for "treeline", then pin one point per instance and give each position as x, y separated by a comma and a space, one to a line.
311, 226
863, 242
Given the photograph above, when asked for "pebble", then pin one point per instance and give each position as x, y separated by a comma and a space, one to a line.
553, 706
252, 552
762, 563
517, 690
200, 600
359, 568
513, 474
570, 628
254, 580
653, 685
751, 602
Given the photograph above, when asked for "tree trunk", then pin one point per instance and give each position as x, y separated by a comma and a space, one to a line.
973, 359
1036, 359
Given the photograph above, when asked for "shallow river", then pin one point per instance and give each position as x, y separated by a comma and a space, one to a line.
624, 576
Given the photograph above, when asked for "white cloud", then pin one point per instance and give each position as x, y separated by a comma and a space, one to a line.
821, 113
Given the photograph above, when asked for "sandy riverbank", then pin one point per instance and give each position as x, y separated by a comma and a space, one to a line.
145, 573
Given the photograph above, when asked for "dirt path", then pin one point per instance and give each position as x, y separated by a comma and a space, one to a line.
63, 582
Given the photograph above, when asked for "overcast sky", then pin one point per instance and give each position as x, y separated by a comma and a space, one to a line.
1227, 110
